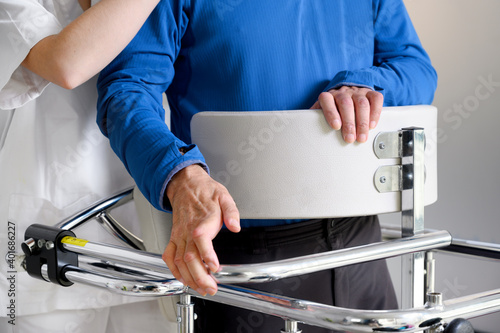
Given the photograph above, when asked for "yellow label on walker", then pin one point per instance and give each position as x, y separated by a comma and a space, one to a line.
74, 241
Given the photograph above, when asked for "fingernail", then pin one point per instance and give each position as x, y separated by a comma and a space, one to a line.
349, 138
211, 291
201, 292
212, 267
362, 138
373, 124
234, 223
182, 281
337, 124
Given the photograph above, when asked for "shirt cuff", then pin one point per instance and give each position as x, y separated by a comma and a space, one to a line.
362, 79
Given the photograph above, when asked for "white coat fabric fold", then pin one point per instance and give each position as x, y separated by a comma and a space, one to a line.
54, 161
23, 23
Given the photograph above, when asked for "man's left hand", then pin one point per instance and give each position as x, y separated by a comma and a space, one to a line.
355, 110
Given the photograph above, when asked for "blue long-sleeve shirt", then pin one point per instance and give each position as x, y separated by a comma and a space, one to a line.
248, 56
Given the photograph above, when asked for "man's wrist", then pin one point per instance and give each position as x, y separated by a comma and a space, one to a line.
188, 155
180, 177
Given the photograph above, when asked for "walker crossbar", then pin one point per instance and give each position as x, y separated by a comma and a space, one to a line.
263, 272
127, 282
138, 273
141, 274
275, 270
457, 246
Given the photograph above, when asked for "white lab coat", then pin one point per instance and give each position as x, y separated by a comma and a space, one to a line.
53, 159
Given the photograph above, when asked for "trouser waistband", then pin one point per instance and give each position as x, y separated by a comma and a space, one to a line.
275, 236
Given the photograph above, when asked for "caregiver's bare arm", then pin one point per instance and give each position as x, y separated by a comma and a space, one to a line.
89, 43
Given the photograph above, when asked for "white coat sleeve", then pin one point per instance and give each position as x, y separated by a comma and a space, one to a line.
23, 23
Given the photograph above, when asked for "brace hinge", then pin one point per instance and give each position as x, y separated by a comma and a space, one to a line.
393, 178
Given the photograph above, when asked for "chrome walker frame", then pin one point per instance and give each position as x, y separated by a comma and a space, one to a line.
132, 271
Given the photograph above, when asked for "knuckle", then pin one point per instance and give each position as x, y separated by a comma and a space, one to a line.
363, 102
178, 260
328, 112
349, 127
166, 257
199, 281
376, 96
344, 100
223, 190
324, 95
197, 233
189, 257
363, 126
176, 274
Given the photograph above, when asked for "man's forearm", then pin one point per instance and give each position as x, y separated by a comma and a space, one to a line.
133, 120
402, 70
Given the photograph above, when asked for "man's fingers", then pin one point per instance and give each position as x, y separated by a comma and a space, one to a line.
230, 213
345, 106
327, 103
362, 115
202, 238
168, 258
180, 265
376, 103
199, 204
356, 110
177, 267
198, 271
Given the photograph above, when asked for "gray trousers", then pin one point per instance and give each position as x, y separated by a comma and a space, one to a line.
362, 286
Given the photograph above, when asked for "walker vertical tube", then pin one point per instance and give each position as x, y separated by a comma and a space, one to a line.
185, 315
430, 272
412, 217
291, 327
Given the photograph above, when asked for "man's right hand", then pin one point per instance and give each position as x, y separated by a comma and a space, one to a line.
200, 206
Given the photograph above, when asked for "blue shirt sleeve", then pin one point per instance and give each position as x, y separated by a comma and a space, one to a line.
402, 70
130, 111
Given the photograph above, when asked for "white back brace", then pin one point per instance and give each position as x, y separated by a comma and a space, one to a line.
291, 164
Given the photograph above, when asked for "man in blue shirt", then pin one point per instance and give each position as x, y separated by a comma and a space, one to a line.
348, 57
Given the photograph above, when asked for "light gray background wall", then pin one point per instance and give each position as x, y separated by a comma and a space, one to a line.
463, 40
